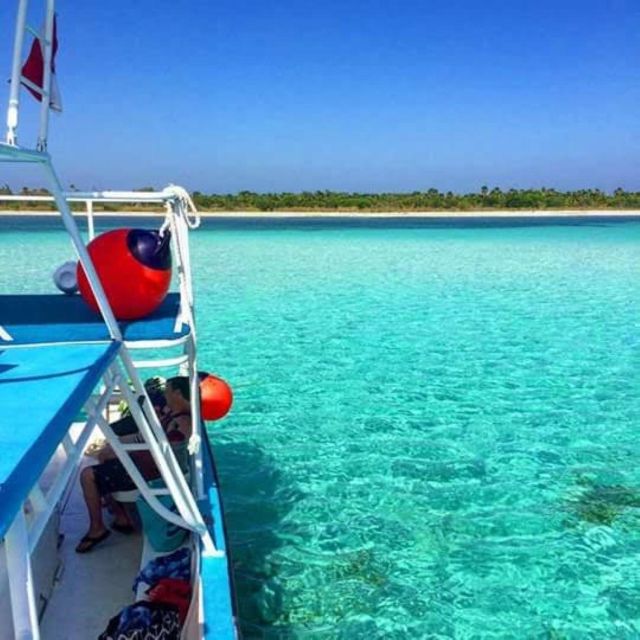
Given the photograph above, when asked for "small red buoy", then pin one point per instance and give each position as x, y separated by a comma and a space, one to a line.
134, 267
216, 397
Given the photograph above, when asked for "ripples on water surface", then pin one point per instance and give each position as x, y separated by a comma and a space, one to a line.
435, 432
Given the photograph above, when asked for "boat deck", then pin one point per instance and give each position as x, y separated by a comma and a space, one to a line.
92, 587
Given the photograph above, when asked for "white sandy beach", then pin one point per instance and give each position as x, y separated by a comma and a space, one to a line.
520, 213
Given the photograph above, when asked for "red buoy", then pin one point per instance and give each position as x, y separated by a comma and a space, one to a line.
134, 267
216, 397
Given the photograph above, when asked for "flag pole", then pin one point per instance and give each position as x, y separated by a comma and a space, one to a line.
47, 50
14, 95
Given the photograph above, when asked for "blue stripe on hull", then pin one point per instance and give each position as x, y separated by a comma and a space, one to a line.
217, 577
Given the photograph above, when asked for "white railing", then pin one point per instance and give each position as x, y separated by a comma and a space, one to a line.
170, 198
159, 197
100, 197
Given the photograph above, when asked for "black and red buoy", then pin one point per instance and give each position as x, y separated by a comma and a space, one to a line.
134, 267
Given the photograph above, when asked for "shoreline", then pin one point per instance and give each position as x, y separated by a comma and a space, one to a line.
520, 213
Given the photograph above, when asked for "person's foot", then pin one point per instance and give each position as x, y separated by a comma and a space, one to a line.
90, 541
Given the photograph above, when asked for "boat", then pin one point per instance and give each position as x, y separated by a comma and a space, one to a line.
64, 368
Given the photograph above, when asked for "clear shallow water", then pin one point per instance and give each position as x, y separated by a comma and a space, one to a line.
435, 432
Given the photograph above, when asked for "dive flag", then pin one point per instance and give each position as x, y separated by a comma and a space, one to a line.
33, 70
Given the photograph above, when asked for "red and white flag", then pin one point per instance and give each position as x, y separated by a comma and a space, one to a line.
33, 70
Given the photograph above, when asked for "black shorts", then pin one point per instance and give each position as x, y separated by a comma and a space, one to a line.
112, 476
124, 426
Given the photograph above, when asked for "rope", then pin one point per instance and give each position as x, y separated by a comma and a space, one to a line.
188, 206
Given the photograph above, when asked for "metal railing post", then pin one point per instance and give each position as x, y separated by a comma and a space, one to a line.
23, 600
47, 50
90, 226
16, 71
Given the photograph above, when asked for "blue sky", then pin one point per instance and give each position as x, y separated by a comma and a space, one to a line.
348, 95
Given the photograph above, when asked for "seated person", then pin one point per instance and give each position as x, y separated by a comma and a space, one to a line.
110, 475
154, 387
126, 428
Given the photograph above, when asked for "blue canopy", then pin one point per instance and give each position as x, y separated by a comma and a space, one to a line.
42, 389
68, 318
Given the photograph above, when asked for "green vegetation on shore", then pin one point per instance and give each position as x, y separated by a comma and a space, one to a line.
431, 200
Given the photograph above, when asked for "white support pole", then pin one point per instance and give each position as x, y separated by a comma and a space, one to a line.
137, 345
16, 70
180, 230
90, 225
195, 444
37, 499
81, 250
95, 196
21, 588
180, 239
180, 242
47, 47
164, 362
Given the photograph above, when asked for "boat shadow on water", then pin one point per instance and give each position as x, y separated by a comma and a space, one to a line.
257, 497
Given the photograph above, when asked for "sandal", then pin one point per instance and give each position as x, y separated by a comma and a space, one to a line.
87, 543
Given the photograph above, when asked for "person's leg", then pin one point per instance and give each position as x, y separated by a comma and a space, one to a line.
97, 531
93, 501
102, 480
122, 521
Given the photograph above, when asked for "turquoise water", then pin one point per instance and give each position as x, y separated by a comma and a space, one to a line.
435, 430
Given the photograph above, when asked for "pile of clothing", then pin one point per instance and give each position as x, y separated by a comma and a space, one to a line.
163, 613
